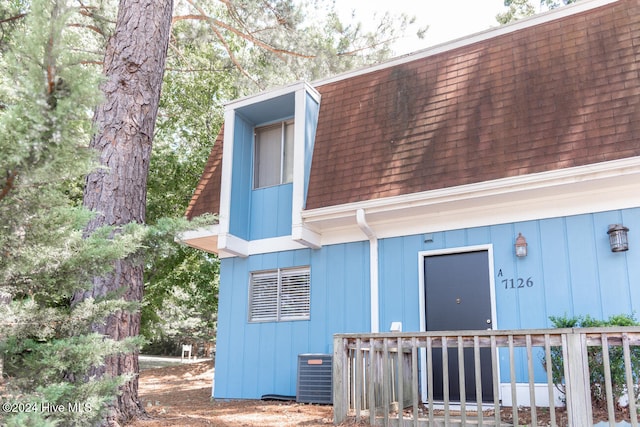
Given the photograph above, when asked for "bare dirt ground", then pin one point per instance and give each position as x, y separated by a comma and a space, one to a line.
181, 396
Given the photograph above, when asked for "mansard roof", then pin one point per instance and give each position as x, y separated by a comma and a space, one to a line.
550, 93
206, 197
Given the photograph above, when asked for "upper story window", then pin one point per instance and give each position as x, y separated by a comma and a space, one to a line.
273, 161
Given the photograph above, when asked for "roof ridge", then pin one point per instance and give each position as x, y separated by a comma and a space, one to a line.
538, 19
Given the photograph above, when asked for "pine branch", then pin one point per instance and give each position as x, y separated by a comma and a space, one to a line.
12, 18
220, 37
8, 184
249, 37
368, 47
199, 70
93, 28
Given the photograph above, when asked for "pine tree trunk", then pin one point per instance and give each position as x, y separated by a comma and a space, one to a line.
133, 67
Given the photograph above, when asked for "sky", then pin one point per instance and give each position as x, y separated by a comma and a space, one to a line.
447, 19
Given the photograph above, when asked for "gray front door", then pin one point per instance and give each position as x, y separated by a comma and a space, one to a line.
458, 297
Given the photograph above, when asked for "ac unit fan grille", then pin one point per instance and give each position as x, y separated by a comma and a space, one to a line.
315, 383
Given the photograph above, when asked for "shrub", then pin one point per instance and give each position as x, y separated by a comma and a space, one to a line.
595, 359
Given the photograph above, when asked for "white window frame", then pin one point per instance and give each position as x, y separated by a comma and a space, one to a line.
285, 156
269, 305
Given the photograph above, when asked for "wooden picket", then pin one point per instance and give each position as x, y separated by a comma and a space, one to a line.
377, 376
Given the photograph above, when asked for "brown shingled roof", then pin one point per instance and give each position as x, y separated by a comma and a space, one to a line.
555, 95
564, 93
206, 198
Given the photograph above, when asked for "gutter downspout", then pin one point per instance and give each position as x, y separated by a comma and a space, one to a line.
373, 269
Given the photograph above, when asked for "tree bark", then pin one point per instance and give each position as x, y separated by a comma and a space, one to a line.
134, 67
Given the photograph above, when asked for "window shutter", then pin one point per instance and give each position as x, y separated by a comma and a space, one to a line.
263, 304
280, 295
295, 294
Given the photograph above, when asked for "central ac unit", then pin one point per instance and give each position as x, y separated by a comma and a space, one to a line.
314, 383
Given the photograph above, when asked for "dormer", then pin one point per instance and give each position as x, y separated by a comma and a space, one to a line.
266, 162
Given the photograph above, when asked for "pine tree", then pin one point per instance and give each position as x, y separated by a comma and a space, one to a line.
48, 90
133, 67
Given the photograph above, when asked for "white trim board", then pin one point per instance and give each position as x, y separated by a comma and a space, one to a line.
274, 93
579, 190
572, 191
523, 397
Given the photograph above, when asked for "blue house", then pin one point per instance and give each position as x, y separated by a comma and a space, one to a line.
396, 194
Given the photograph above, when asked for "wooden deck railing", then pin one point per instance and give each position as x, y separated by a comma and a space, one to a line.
385, 376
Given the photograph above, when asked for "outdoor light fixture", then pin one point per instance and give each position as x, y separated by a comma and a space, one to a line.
521, 246
618, 238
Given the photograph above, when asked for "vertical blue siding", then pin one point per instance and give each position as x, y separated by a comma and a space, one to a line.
569, 263
532, 311
631, 218
455, 238
478, 236
311, 123
270, 212
265, 212
612, 276
505, 268
254, 359
583, 266
230, 345
241, 177
555, 274
399, 276
260, 213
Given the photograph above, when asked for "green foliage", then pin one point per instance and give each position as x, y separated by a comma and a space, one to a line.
48, 90
180, 298
595, 358
11, 12
47, 344
181, 286
181, 302
242, 47
552, 4
265, 45
518, 9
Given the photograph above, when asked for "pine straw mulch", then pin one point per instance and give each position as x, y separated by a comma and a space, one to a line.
181, 396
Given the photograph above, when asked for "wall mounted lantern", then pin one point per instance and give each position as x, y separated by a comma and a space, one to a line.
618, 238
521, 246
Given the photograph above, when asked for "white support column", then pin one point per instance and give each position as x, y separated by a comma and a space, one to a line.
373, 269
227, 166
300, 232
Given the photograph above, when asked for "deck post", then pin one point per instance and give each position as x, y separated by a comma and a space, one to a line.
577, 381
340, 380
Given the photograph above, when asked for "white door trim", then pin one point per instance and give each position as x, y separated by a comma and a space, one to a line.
422, 296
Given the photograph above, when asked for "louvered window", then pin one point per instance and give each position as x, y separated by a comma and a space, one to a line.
280, 295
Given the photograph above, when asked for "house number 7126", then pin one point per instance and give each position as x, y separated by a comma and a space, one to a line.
518, 283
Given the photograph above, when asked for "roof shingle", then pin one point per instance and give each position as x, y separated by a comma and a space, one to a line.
560, 94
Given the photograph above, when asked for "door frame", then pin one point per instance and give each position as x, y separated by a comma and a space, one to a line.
423, 302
